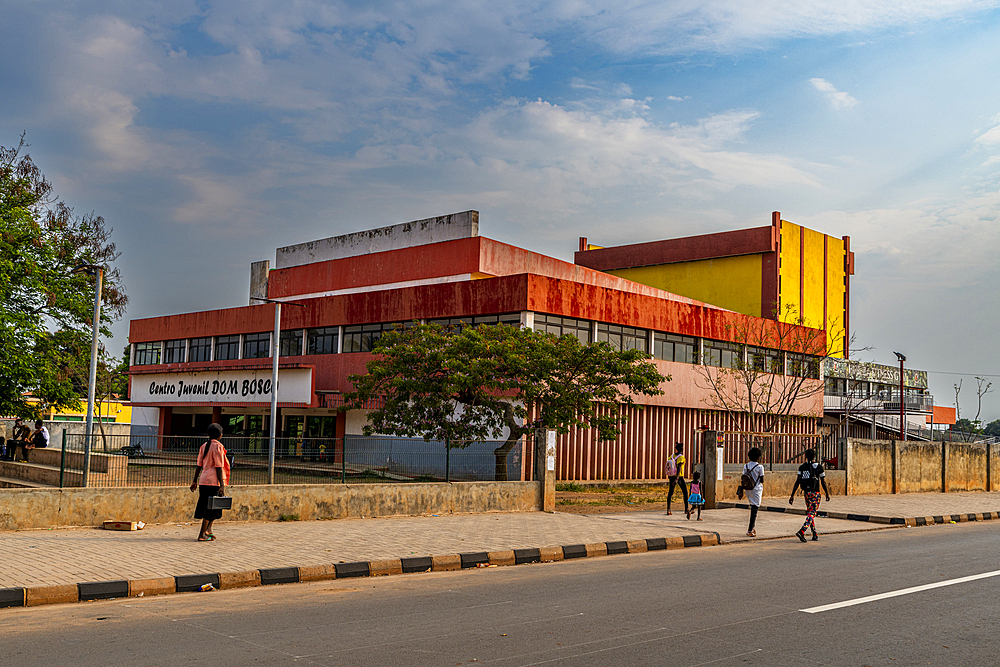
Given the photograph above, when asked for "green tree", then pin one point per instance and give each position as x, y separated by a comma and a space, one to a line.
993, 429
471, 384
47, 310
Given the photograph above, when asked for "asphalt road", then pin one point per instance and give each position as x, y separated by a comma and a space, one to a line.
729, 605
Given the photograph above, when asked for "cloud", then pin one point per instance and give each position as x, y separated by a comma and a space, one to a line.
837, 99
991, 136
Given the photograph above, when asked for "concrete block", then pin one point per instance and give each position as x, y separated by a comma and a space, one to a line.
636, 546
692, 540
242, 579
279, 575
446, 563
549, 554
676, 542
144, 587
502, 558
39, 595
421, 564
11, 597
599, 549
574, 551
656, 544
522, 556
350, 570
475, 559
612, 548
193, 582
317, 572
388, 566
102, 590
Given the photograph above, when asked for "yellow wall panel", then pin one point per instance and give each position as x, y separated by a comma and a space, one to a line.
813, 274
788, 273
835, 289
728, 282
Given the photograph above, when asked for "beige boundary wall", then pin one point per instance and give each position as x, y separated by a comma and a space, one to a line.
779, 483
43, 508
893, 466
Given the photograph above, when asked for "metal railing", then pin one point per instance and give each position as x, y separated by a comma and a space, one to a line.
151, 460
777, 449
880, 402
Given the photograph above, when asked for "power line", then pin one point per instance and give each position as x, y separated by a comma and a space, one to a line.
982, 375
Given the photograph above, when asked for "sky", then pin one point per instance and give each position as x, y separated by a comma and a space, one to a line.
210, 133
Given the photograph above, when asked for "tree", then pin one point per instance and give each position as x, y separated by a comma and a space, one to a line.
467, 385
993, 429
764, 374
967, 428
47, 310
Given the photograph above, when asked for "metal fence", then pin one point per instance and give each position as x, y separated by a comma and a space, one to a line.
151, 460
779, 450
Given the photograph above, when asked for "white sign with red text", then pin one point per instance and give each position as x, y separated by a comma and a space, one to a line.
223, 386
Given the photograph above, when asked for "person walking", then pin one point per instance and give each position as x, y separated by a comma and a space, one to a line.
210, 479
811, 476
695, 500
675, 473
754, 472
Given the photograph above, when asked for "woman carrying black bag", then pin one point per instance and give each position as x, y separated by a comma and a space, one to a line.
210, 479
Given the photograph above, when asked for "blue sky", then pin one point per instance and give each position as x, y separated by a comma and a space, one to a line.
209, 133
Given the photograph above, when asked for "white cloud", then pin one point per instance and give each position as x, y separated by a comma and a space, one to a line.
836, 98
990, 136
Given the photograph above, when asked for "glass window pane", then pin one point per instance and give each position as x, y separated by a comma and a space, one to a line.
290, 343
173, 351
147, 354
227, 347
200, 349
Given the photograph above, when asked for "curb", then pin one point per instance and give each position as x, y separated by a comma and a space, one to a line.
871, 518
109, 590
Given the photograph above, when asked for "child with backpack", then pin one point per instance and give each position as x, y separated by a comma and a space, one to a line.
752, 484
695, 500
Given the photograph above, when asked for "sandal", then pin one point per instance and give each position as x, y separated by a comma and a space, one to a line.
207, 538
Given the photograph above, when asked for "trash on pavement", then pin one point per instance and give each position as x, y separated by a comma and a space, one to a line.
124, 525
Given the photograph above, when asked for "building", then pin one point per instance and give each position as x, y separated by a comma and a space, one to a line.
782, 271
191, 369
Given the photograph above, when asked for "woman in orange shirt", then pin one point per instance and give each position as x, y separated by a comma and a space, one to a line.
210, 479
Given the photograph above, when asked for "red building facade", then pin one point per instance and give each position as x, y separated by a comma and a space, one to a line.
194, 368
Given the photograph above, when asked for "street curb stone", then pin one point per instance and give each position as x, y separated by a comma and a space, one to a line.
890, 520
102, 590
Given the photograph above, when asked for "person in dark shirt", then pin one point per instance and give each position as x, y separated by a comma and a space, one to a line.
811, 476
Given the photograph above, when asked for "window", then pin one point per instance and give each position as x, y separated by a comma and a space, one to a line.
362, 337
765, 360
291, 343
173, 351
803, 366
147, 354
227, 347
321, 341
200, 349
561, 326
256, 346
724, 355
673, 347
623, 338
513, 319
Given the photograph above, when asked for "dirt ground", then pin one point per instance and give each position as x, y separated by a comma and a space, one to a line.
581, 499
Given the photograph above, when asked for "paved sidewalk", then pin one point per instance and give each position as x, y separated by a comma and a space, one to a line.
74, 555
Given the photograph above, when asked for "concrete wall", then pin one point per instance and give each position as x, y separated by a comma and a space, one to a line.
892, 466
919, 466
43, 508
778, 484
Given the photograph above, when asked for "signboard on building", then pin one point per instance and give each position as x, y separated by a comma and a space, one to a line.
877, 373
223, 386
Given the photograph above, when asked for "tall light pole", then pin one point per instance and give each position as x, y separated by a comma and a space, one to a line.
98, 273
902, 402
275, 350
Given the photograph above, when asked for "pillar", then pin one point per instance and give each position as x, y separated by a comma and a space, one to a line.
545, 467
163, 428
713, 455
216, 414
848, 466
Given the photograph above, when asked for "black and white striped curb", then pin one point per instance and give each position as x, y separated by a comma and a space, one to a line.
106, 590
871, 518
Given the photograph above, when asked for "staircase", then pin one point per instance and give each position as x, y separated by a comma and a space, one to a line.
42, 470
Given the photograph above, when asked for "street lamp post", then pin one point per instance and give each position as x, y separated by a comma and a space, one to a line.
902, 402
98, 273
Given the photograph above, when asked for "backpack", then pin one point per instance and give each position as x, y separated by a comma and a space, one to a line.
746, 480
671, 467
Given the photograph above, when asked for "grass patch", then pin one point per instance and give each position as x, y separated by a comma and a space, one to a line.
288, 517
572, 487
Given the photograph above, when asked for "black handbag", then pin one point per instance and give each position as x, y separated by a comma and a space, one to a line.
220, 502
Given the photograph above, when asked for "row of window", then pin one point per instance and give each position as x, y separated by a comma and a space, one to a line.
362, 338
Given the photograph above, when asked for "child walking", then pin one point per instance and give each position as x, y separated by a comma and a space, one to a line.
695, 500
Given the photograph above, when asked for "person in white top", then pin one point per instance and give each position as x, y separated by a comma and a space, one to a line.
755, 471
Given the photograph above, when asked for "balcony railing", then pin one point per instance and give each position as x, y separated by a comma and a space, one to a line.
880, 402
